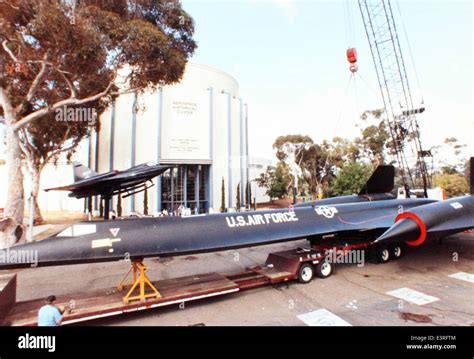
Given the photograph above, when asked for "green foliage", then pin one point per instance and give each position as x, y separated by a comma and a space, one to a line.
319, 162
222, 196
454, 184
450, 155
280, 142
375, 142
275, 180
450, 170
351, 178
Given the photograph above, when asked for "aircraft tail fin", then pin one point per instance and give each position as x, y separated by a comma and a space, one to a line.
82, 172
471, 172
381, 181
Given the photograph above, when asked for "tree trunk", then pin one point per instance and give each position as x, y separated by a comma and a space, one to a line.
14, 206
35, 173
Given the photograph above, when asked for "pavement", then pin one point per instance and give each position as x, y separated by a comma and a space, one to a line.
430, 285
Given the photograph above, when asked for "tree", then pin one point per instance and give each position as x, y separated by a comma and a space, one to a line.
351, 178
284, 151
374, 142
223, 196
467, 171
450, 156
318, 165
237, 197
454, 184
42, 143
248, 195
276, 180
290, 150
66, 53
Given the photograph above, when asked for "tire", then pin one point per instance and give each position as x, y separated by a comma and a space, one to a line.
396, 251
382, 254
305, 274
323, 269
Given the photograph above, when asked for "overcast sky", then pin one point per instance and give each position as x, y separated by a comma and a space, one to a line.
289, 59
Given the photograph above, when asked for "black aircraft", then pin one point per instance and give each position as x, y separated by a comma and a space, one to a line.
88, 183
383, 223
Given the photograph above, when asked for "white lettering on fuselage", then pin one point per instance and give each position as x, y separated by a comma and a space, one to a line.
261, 219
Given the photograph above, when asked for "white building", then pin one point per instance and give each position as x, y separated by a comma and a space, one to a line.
198, 126
257, 166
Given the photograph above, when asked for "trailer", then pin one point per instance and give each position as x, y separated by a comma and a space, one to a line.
299, 264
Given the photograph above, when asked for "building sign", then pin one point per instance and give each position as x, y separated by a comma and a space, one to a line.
185, 126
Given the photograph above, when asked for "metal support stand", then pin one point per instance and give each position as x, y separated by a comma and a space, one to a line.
139, 279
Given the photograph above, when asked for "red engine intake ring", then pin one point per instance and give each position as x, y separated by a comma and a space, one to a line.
420, 224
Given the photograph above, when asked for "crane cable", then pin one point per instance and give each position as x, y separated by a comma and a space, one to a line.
412, 59
348, 25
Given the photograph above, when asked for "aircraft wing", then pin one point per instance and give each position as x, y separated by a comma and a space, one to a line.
110, 182
84, 183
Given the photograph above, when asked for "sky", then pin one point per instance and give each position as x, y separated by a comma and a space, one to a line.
289, 59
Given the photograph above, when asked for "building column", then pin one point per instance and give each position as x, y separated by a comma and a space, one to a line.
210, 181
158, 148
196, 186
242, 156
185, 185
112, 145
172, 187
229, 144
134, 139
96, 166
247, 177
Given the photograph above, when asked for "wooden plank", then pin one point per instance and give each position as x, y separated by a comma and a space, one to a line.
109, 301
274, 274
7, 293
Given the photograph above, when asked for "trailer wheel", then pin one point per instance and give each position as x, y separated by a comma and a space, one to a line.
305, 273
324, 269
382, 254
396, 251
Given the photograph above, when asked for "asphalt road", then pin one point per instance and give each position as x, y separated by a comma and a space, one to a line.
357, 295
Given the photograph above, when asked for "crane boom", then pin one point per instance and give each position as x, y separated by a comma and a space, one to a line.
381, 31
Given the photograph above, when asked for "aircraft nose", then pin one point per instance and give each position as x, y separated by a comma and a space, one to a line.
404, 230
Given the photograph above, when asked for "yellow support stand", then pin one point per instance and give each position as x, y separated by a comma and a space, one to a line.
139, 278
